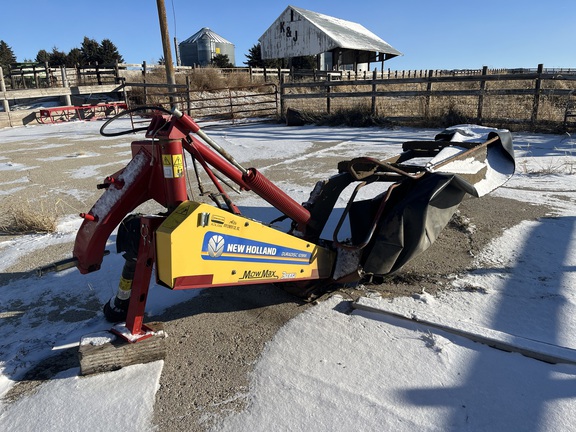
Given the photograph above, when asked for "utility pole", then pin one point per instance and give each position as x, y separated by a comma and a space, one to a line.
177, 51
170, 76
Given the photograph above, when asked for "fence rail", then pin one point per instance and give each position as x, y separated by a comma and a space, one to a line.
42, 75
230, 103
526, 96
542, 96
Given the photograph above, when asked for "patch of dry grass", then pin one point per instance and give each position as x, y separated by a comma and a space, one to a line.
25, 218
565, 165
209, 81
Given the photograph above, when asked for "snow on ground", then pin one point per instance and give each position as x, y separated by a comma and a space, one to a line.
330, 368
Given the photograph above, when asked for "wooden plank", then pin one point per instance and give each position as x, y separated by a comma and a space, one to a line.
118, 353
136, 84
62, 91
543, 351
433, 93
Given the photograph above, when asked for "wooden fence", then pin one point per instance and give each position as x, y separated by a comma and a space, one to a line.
42, 75
530, 98
254, 74
64, 94
230, 103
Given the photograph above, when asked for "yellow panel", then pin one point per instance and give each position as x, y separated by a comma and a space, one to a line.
200, 245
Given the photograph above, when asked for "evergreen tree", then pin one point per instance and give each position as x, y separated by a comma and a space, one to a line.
42, 56
90, 51
7, 56
57, 58
221, 61
254, 57
109, 53
303, 62
74, 57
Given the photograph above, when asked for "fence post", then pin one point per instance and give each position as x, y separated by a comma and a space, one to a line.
116, 72
188, 101
536, 103
481, 95
23, 78
373, 107
12, 80
5, 103
48, 76
98, 77
428, 91
231, 103
328, 79
35, 74
282, 91
65, 84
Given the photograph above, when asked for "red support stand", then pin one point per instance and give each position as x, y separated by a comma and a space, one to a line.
135, 330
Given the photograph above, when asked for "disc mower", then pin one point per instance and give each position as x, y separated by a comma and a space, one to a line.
193, 245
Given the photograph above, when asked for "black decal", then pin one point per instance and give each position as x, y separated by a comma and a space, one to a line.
259, 274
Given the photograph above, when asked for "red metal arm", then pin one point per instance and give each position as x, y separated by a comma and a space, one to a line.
153, 173
141, 180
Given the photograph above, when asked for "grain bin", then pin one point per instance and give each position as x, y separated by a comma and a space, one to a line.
200, 48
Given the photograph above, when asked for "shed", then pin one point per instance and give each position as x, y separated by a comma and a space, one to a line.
339, 44
200, 48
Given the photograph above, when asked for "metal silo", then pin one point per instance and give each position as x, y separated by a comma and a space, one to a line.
200, 48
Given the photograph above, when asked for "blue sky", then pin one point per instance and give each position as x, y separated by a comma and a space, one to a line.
441, 34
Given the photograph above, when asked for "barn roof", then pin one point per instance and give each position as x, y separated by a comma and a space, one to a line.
205, 32
337, 33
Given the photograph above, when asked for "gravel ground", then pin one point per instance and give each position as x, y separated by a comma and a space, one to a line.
216, 338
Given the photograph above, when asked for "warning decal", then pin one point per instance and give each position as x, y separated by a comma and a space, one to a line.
172, 165
178, 165
167, 166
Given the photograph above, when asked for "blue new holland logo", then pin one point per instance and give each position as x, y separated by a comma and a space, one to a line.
217, 246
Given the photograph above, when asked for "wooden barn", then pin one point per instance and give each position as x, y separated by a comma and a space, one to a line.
338, 44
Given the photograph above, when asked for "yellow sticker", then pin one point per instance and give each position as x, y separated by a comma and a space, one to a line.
167, 166
125, 284
178, 166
